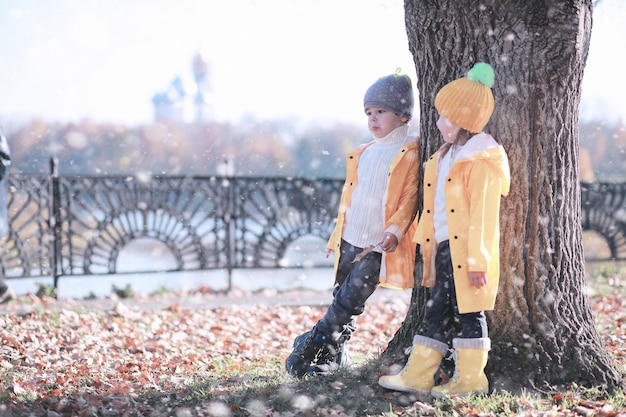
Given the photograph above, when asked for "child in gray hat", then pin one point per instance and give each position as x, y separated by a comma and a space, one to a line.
372, 238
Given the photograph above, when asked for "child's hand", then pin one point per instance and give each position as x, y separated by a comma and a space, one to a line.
328, 252
478, 279
389, 243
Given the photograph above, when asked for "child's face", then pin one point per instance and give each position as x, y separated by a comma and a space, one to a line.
380, 121
449, 130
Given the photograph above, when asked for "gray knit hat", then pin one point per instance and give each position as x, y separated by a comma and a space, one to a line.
393, 92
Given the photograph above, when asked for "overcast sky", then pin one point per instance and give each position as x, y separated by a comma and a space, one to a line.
309, 59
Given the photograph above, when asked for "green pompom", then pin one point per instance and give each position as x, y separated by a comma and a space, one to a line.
482, 73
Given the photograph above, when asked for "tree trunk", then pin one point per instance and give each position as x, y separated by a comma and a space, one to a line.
542, 329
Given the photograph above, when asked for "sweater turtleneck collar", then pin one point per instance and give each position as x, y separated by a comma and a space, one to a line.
397, 134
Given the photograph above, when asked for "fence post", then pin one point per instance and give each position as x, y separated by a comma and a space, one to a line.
55, 221
228, 220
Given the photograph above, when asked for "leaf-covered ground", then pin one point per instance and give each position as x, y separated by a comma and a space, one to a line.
72, 357
83, 358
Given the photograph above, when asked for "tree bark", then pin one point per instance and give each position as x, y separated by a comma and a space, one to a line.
542, 328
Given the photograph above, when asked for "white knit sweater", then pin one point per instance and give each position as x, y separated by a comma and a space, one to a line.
365, 218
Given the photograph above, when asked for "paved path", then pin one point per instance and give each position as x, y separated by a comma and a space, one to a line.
30, 303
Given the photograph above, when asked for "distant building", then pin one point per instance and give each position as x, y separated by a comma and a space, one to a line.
187, 101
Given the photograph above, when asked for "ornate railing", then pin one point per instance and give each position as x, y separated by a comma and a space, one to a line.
80, 225
604, 211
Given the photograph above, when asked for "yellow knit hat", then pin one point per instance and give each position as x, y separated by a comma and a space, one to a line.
468, 101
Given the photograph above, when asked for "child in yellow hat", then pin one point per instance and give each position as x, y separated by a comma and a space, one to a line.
459, 234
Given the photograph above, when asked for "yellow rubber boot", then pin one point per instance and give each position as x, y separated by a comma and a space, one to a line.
418, 375
469, 375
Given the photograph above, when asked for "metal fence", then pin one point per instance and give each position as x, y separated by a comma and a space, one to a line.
604, 211
79, 225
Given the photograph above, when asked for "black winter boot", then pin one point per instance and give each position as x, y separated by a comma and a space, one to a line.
306, 350
333, 356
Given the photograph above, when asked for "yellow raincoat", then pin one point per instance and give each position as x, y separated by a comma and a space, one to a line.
478, 177
400, 210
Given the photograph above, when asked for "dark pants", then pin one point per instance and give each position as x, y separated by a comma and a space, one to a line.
442, 312
356, 281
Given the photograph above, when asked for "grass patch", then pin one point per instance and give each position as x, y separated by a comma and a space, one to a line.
263, 389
